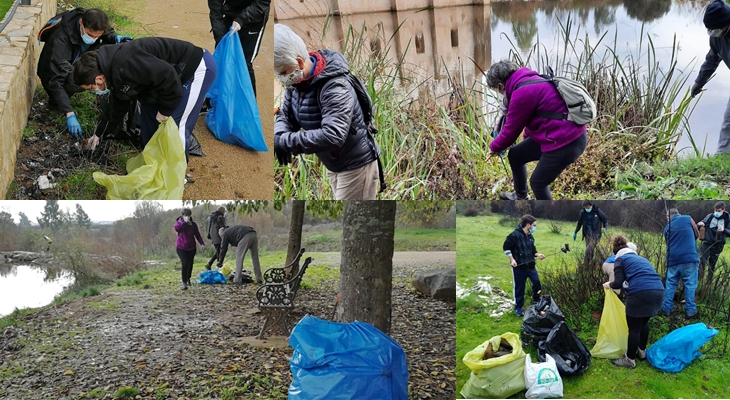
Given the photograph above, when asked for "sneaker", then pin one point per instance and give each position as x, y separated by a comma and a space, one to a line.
207, 266
184, 286
512, 196
625, 362
519, 312
693, 316
641, 355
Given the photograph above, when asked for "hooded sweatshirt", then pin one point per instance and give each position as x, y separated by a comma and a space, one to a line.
550, 134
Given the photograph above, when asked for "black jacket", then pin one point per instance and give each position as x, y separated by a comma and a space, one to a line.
522, 248
245, 12
231, 236
217, 221
599, 220
711, 235
60, 51
149, 69
331, 120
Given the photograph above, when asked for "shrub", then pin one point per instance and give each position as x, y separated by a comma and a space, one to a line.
471, 212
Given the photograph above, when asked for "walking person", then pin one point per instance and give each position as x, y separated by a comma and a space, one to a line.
716, 226
248, 18
681, 235
216, 221
187, 233
717, 22
169, 77
554, 143
321, 114
520, 248
644, 295
244, 239
76, 32
591, 219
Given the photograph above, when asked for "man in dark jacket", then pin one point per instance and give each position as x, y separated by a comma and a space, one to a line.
321, 115
717, 22
216, 221
591, 219
169, 77
244, 238
520, 248
248, 18
78, 31
681, 235
716, 226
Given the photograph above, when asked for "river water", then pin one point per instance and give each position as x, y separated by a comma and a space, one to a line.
24, 286
444, 40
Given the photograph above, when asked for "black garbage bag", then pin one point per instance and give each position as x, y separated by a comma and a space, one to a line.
129, 128
539, 319
195, 149
569, 352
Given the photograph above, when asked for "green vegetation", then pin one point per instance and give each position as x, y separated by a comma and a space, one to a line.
4, 7
479, 253
432, 150
405, 240
126, 393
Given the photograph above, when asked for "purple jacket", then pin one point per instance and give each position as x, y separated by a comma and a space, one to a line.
550, 134
186, 235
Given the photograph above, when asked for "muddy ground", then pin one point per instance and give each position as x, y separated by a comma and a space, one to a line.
169, 343
226, 172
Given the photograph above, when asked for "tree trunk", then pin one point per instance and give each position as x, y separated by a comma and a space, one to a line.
366, 266
295, 231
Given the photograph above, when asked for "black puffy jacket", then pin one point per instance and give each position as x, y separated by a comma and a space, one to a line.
331, 120
60, 51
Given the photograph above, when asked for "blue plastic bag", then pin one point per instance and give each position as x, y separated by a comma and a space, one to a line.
211, 277
234, 116
345, 361
680, 347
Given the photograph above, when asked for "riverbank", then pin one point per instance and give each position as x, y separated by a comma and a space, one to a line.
143, 335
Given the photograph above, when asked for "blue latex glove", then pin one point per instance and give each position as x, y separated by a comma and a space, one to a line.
575, 235
74, 128
122, 39
606, 230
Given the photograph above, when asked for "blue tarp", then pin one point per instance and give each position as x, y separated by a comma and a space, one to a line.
345, 361
234, 116
211, 277
680, 347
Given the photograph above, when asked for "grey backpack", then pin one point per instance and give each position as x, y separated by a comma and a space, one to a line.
581, 107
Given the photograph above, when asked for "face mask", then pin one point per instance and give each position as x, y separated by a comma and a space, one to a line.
291, 79
533, 229
186, 218
717, 214
589, 209
716, 33
99, 92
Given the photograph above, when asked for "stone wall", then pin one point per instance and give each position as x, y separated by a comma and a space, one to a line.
19, 51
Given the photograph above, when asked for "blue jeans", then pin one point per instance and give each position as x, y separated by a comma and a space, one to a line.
688, 274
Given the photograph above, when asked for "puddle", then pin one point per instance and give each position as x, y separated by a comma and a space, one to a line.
25, 286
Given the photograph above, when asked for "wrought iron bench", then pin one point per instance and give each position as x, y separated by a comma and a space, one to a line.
276, 297
280, 275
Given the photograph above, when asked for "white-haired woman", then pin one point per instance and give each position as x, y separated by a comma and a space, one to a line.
321, 115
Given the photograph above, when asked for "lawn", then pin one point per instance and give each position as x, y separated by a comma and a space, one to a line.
479, 253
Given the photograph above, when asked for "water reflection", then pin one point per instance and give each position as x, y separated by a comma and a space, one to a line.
445, 40
512, 30
23, 286
436, 42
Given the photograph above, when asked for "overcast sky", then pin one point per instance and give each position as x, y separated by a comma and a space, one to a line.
98, 210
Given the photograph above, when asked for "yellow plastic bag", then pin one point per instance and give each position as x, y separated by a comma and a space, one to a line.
226, 270
613, 333
499, 377
158, 173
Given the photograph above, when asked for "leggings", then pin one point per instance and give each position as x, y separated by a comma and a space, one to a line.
638, 334
549, 167
186, 259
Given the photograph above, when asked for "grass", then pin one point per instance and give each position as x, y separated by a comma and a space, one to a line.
479, 253
405, 240
4, 7
435, 150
